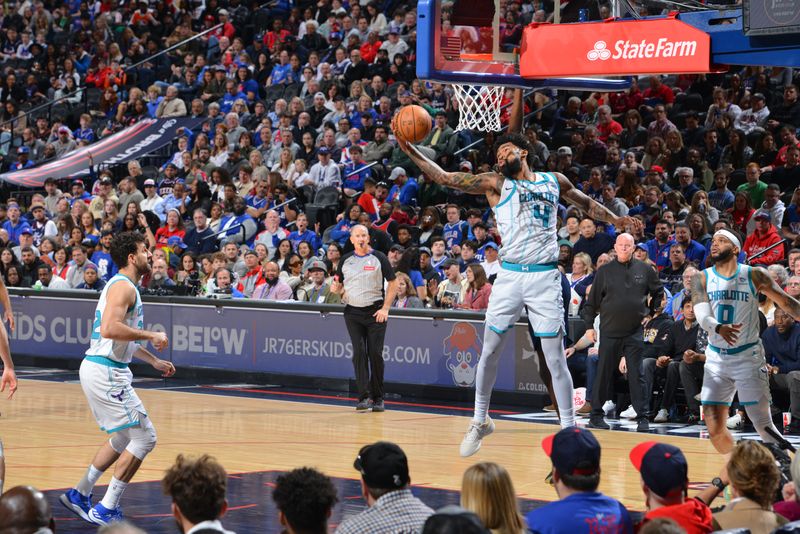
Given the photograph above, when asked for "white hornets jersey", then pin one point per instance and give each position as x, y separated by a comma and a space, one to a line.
120, 351
526, 219
733, 300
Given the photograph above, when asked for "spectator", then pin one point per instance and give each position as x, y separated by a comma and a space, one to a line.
46, 278
384, 486
159, 278
406, 293
665, 481
15, 224
305, 498
575, 454
672, 276
789, 507
25, 509
404, 189
152, 201
197, 487
478, 290
782, 352
591, 241
318, 292
487, 490
453, 289
199, 239
754, 478
765, 236
274, 288
754, 187
91, 280
490, 263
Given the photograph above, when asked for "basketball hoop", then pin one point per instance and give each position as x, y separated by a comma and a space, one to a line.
479, 107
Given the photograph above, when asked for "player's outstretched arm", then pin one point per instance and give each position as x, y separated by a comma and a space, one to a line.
166, 367
591, 207
517, 113
765, 284
488, 183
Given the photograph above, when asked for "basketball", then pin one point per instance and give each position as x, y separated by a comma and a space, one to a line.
413, 124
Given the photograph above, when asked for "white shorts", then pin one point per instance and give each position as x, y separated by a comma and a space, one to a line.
725, 374
107, 386
539, 291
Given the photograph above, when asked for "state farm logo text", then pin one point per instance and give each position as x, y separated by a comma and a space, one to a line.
623, 49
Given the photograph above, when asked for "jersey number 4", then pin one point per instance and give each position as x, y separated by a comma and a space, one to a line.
542, 212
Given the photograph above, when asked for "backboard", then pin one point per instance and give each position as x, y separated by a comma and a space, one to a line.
468, 42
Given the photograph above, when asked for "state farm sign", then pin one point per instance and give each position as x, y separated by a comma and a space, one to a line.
609, 48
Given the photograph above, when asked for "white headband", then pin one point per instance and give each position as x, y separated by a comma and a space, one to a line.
729, 236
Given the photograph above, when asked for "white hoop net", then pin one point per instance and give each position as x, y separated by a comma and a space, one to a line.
479, 107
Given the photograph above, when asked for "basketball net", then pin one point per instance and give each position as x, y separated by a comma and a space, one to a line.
479, 107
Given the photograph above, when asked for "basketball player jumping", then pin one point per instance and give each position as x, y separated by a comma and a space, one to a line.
9, 378
525, 205
117, 336
725, 299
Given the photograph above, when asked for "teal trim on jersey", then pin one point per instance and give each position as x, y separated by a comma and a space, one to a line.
514, 184
498, 331
750, 279
126, 278
108, 362
555, 181
714, 403
753, 403
738, 266
546, 334
528, 267
735, 350
123, 427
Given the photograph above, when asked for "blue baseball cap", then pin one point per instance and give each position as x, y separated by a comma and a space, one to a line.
23, 150
663, 467
176, 241
573, 451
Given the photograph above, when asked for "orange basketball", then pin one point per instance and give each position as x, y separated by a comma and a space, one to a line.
413, 124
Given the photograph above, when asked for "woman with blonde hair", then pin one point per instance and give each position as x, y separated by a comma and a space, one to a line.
754, 483
487, 490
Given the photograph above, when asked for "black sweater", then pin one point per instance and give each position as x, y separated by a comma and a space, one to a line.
619, 294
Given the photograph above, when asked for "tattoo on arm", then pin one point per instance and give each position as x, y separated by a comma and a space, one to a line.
698, 288
590, 207
765, 284
469, 183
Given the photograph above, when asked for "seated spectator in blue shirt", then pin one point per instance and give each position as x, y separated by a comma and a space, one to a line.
239, 227
23, 159
404, 188
658, 247
591, 241
106, 268
355, 172
79, 192
782, 351
91, 280
303, 233
575, 454
341, 232
695, 252
85, 132
281, 72
15, 223
232, 94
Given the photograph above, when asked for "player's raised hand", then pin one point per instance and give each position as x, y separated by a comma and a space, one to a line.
9, 379
623, 223
730, 332
159, 341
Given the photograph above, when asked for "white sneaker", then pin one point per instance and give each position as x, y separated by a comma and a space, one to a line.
662, 416
630, 413
609, 407
735, 422
475, 433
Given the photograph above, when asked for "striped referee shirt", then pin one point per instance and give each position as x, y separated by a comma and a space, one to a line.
363, 277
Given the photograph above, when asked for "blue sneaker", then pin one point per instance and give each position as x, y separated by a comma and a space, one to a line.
100, 515
77, 503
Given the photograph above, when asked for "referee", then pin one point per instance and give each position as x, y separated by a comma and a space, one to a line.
360, 278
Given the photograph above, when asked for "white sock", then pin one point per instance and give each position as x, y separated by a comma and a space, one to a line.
86, 485
487, 372
113, 493
553, 349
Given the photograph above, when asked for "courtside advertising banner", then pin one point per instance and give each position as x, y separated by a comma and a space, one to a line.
609, 48
291, 341
133, 142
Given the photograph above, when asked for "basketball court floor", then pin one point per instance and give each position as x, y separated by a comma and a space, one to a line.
257, 431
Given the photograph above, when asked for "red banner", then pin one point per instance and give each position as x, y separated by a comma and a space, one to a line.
650, 46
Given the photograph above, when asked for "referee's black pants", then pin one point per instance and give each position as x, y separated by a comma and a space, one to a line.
609, 353
366, 335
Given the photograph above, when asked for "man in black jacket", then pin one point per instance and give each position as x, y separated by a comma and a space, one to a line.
619, 294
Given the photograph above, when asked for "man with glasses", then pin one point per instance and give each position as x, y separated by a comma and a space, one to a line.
793, 286
685, 176
661, 125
